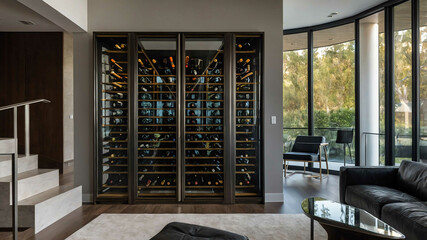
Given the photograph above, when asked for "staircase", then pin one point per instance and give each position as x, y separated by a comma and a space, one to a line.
41, 200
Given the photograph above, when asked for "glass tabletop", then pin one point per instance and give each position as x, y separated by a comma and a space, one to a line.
344, 216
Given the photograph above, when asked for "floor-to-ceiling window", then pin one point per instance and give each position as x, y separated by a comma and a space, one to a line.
334, 84
403, 81
334, 88
295, 95
423, 79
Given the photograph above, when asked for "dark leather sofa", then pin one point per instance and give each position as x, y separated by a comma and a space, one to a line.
396, 195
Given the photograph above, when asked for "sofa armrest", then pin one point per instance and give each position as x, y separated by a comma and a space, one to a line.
381, 176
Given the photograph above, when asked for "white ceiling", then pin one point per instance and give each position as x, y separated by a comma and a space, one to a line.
11, 12
304, 13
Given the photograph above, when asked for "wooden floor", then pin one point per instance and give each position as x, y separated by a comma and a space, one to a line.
296, 188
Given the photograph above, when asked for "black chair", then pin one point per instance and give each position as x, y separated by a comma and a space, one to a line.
308, 149
345, 137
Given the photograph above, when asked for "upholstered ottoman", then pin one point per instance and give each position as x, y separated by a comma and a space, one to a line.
185, 231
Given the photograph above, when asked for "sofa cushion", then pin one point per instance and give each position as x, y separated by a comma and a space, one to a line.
300, 156
410, 218
372, 198
412, 178
185, 231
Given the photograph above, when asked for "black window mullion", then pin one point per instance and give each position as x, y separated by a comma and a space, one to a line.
357, 92
389, 87
415, 10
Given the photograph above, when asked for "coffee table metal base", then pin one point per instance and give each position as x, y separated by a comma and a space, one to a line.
335, 233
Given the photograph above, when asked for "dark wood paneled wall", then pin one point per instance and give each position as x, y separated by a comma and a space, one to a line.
31, 67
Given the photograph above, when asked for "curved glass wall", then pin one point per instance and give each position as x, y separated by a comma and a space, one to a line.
295, 94
334, 85
334, 88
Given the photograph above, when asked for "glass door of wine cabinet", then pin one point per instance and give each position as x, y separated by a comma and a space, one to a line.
248, 100
204, 117
112, 103
157, 117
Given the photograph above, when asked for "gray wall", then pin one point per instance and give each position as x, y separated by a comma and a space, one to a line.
183, 15
68, 92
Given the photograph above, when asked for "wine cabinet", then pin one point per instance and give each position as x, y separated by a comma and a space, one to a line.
178, 117
248, 132
112, 118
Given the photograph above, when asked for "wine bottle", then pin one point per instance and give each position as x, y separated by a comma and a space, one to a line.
154, 183
214, 104
117, 104
118, 121
187, 59
171, 61
247, 46
145, 96
120, 46
145, 112
168, 104
117, 95
116, 64
214, 96
243, 161
115, 75
167, 96
192, 113
191, 105
215, 80
219, 180
148, 183
146, 120
196, 180
146, 104
117, 112
140, 62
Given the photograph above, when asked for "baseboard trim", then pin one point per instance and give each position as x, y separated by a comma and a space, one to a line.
274, 197
269, 197
87, 198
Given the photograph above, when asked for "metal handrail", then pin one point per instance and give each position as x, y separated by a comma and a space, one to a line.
21, 104
14, 154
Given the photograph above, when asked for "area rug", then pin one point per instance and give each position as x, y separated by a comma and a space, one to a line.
254, 226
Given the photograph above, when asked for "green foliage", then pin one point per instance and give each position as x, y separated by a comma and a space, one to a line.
334, 96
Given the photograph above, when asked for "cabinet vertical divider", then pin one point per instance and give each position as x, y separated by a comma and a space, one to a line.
182, 105
229, 108
180, 118
97, 131
133, 116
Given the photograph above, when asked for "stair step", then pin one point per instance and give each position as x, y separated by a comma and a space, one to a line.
43, 209
7, 145
24, 164
30, 183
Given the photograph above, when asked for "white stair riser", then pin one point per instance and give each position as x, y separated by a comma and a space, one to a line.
50, 211
7, 145
45, 213
24, 164
31, 186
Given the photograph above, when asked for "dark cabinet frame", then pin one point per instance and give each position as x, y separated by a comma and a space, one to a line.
229, 118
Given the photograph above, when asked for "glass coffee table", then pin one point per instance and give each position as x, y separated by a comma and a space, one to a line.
346, 222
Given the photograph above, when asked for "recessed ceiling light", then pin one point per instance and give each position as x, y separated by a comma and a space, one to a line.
332, 14
26, 22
